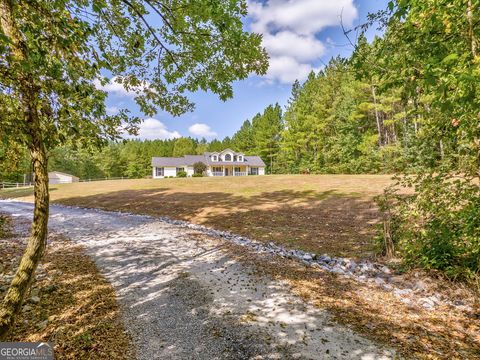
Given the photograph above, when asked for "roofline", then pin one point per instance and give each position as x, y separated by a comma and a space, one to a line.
62, 173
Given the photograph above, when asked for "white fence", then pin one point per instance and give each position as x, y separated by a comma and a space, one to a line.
11, 185
108, 178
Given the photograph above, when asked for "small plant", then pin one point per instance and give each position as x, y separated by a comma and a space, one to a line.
197, 175
3, 227
386, 203
181, 174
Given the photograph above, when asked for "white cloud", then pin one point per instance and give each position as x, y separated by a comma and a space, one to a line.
112, 110
301, 16
290, 31
286, 69
300, 47
114, 86
151, 129
201, 130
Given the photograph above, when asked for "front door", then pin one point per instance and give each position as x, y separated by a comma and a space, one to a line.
226, 172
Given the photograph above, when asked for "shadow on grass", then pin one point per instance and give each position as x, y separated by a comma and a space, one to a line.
19, 192
321, 222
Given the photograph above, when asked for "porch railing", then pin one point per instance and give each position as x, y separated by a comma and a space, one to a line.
240, 173
217, 173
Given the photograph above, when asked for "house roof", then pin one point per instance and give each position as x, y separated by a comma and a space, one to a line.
168, 161
51, 173
254, 160
189, 160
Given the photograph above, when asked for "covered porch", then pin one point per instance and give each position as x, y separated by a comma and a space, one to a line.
229, 170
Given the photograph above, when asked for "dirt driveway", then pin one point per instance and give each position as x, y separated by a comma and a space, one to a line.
188, 299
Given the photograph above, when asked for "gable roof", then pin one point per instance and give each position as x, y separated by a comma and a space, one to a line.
53, 173
168, 161
254, 161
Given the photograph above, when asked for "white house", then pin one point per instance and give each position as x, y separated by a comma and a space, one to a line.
57, 177
224, 163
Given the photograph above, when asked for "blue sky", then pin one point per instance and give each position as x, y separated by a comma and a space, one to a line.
299, 35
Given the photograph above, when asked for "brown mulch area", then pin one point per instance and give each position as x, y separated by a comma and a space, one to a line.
77, 308
416, 333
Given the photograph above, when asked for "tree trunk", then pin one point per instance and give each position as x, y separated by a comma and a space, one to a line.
30, 96
377, 117
20, 285
471, 33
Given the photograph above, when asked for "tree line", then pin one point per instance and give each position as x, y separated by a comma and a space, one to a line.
132, 158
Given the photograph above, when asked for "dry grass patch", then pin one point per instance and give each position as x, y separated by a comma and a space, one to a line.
332, 214
77, 308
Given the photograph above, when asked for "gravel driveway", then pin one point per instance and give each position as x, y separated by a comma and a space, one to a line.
186, 299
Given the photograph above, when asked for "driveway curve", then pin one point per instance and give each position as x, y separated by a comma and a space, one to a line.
187, 299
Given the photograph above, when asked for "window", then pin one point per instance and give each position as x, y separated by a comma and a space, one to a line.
214, 158
240, 158
217, 169
228, 157
159, 171
180, 169
234, 157
253, 171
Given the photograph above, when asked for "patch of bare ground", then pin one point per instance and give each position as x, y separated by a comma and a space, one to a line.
70, 302
417, 333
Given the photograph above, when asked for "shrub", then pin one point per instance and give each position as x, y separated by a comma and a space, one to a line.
181, 174
199, 167
437, 227
197, 175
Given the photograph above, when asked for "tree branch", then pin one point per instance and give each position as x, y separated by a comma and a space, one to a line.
151, 30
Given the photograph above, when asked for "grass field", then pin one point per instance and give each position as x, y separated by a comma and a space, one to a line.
332, 214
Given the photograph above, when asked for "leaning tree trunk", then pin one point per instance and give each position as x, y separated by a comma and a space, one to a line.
20, 285
29, 97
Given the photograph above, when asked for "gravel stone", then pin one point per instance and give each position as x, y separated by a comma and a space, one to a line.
34, 300
184, 299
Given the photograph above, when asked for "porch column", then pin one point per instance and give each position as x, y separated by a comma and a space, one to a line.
246, 170
223, 170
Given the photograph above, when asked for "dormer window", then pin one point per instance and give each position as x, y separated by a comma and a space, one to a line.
214, 158
240, 158
228, 157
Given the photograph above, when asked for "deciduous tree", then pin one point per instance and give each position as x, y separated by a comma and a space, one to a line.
55, 55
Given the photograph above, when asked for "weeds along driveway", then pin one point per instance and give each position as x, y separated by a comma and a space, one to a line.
188, 299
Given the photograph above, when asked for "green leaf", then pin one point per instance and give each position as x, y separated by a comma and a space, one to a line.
450, 58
